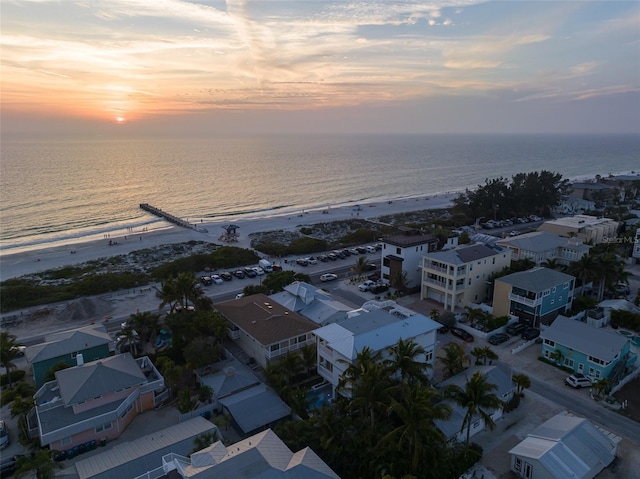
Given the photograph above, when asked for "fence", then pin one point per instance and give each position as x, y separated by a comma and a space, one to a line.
624, 381
202, 411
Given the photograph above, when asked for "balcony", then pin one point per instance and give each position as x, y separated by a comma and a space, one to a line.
524, 300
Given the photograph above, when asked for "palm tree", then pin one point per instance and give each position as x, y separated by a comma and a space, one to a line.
522, 382
41, 462
607, 270
147, 324
584, 269
399, 281
557, 356
130, 335
601, 386
8, 352
309, 357
478, 398
416, 434
290, 365
404, 359
453, 359
484, 353
552, 263
360, 265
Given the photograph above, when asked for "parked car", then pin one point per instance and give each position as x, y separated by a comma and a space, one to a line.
379, 288
462, 334
239, 295
276, 267
530, 333
302, 262
8, 466
578, 380
206, 280
516, 328
259, 271
346, 252
354, 251
443, 329
371, 249
226, 276
366, 285
249, 272
216, 279
4, 435
323, 258
332, 256
328, 277
498, 338
239, 274
361, 249
20, 349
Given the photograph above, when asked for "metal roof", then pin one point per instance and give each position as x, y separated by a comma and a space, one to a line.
536, 241
568, 446
537, 279
255, 407
133, 458
466, 253
579, 336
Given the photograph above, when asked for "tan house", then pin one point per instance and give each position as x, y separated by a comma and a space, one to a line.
589, 229
264, 329
94, 401
459, 277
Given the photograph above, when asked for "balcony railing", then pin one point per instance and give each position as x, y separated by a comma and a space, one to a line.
285, 349
524, 300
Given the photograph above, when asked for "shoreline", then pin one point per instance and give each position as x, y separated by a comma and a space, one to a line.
14, 265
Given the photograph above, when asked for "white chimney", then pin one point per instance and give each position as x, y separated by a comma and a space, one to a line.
79, 359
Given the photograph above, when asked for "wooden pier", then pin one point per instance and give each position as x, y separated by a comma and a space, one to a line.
170, 218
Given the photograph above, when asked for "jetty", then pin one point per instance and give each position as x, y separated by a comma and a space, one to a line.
170, 218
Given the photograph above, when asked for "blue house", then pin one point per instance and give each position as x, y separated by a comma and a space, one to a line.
594, 352
536, 296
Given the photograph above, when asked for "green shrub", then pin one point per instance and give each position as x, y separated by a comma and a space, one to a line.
16, 376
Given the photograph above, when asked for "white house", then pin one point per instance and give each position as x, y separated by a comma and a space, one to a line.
403, 252
565, 446
540, 246
459, 277
339, 343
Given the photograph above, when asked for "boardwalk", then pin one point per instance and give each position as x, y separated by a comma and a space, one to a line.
170, 218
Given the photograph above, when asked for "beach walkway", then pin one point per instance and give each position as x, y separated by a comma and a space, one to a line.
170, 218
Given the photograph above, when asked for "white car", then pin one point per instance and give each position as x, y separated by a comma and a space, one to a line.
311, 260
366, 285
259, 271
328, 277
217, 279
578, 381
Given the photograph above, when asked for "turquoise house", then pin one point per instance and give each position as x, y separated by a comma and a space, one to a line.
72, 347
536, 296
594, 352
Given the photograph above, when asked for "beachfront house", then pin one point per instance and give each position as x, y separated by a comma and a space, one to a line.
540, 246
453, 428
263, 455
536, 296
92, 342
338, 344
237, 391
594, 352
94, 401
562, 447
264, 329
312, 303
459, 277
590, 229
402, 253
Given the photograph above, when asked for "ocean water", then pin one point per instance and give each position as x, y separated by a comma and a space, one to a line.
56, 192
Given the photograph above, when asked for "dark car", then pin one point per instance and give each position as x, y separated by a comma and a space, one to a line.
226, 276
530, 333
498, 338
361, 249
443, 329
323, 258
378, 288
251, 273
8, 465
302, 262
239, 274
462, 334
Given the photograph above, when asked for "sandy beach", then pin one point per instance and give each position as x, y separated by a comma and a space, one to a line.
19, 264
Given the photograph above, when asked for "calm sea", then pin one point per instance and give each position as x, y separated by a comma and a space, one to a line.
56, 192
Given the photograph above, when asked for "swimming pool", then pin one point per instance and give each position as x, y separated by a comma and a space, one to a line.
319, 397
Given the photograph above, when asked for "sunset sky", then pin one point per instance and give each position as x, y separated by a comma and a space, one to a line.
182, 67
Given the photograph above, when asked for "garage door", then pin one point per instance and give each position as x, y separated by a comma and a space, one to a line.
435, 295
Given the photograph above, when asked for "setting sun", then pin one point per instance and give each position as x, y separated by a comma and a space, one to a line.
120, 119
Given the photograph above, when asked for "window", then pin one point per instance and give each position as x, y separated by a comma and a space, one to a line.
429, 356
302, 339
126, 411
550, 343
399, 251
103, 427
65, 440
568, 362
546, 293
553, 290
517, 464
546, 353
274, 347
494, 261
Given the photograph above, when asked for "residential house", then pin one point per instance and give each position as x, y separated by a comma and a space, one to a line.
540, 246
403, 252
595, 352
135, 458
453, 428
265, 329
91, 341
592, 191
311, 302
563, 447
459, 277
589, 229
339, 343
263, 455
536, 296
601, 315
94, 401
636, 247
252, 405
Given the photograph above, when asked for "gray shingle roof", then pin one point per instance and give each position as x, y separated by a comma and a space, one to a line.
67, 342
255, 407
536, 279
96, 378
579, 336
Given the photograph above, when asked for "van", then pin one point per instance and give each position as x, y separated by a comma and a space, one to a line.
516, 328
265, 265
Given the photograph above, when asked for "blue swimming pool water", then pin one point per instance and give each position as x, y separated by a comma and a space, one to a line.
319, 397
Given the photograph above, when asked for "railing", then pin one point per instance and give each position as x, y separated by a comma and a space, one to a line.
521, 299
442, 284
285, 349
